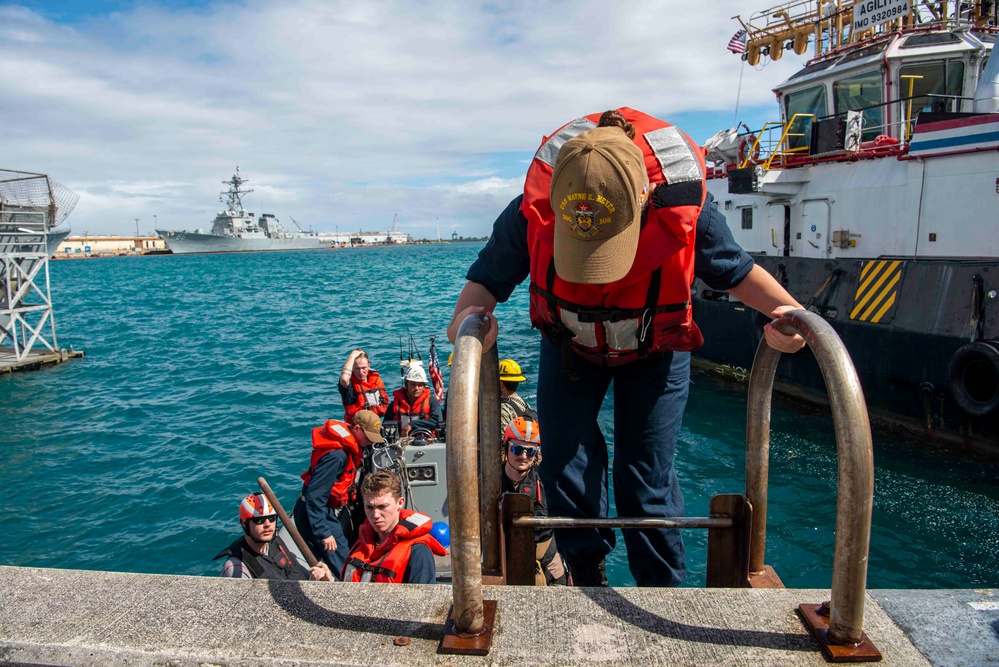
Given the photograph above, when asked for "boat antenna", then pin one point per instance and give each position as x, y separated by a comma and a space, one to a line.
738, 92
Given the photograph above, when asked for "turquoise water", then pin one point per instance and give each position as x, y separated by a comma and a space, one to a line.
204, 372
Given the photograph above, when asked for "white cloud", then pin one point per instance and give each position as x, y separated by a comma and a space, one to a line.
344, 113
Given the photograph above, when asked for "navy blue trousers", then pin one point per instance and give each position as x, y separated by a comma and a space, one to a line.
339, 525
649, 398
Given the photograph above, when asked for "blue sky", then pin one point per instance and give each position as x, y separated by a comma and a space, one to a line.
343, 114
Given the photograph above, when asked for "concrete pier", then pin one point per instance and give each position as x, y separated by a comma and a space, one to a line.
72, 617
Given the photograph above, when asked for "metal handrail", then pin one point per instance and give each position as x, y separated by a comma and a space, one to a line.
490, 455
855, 491
469, 365
620, 522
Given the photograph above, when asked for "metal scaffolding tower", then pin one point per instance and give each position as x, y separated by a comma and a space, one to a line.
31, 205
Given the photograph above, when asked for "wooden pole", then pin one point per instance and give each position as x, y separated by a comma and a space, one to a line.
286, 520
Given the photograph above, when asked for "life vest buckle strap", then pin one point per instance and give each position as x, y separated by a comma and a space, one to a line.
370, 567
591, 315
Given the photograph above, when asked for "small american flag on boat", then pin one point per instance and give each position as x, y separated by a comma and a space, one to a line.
436, 379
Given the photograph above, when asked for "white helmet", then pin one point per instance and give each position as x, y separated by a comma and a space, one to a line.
416, 374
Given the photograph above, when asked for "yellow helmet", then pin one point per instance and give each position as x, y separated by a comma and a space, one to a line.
509, 371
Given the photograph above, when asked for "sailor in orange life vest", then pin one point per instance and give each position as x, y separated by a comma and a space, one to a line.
360, 386
394, 544
323, 511
614, 223
521, 457
414, 405
260, 553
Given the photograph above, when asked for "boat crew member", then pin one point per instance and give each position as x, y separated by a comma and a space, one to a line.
414, 405
323, 511
394, 544
613, 225
521, 457
512, 405
360, 386
260, 553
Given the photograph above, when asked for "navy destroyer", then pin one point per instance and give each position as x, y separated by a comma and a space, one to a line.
237, 230
873, 200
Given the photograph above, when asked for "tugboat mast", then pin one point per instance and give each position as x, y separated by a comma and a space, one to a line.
234, 194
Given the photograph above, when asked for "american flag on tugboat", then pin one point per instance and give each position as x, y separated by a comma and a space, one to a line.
435, 371
738, 42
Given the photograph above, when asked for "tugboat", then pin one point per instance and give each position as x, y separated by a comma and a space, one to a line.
874, 201
237, 230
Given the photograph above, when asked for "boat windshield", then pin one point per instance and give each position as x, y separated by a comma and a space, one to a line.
862, 92
801, 107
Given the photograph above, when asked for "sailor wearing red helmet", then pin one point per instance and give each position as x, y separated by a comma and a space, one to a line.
260, 553
521, 457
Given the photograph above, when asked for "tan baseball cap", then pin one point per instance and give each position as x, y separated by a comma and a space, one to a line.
370, 424
599, 185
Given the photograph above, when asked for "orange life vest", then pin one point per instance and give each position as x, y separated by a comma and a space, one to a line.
420, 409
368, 395
649, 310
386, 562
336, 434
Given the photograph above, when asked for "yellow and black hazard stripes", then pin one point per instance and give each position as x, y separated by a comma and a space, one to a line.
877, 291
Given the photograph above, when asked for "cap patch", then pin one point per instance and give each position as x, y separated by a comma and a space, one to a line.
581, 216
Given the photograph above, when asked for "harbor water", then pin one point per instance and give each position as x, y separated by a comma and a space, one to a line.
203, 372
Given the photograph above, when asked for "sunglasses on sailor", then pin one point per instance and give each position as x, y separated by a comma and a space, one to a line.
260, 520
517, 448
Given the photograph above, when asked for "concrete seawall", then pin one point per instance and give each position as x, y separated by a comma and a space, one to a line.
73, 617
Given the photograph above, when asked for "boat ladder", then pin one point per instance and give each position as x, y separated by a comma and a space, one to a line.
492, 534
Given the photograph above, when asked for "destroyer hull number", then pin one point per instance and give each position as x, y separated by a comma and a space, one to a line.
875, 12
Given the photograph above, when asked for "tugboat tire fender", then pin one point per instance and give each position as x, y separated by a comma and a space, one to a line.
973, 372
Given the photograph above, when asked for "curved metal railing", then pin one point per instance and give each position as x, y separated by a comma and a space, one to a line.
473, 413
855, 492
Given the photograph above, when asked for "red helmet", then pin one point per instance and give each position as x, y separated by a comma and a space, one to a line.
523, 429
255, 504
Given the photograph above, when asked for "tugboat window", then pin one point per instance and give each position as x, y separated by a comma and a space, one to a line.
938, 89
808, 101
747, 217
862, 92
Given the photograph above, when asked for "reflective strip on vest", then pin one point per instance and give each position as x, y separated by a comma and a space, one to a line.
549, 150
348, 575
341, 431
585, 333
372, 397
622, 335
676, 157
415, 520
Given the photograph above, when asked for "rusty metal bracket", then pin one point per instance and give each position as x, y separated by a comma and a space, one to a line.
816, 619
518, 540
456, 643
728, 548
